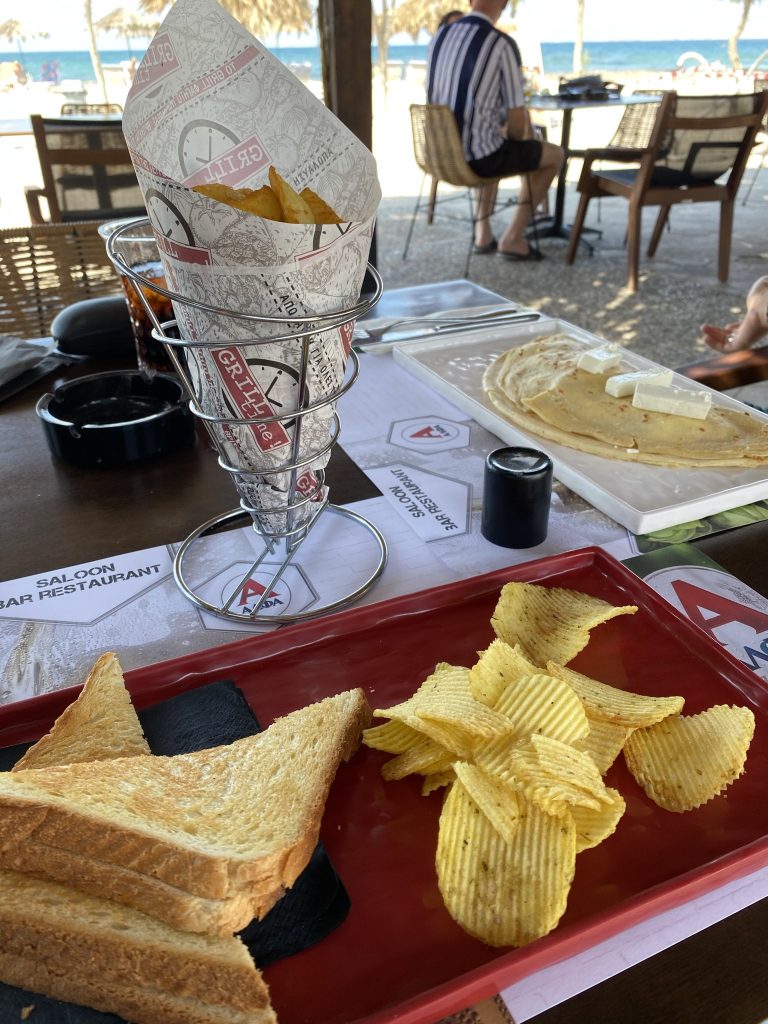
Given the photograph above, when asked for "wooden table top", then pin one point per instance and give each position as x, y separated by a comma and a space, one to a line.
53, 514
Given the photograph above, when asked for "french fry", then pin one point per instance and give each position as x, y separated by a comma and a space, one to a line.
262, 202
322, 212
295, 210
277, 201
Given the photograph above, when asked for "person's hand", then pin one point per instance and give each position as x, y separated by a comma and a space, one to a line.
737, 336
723, 339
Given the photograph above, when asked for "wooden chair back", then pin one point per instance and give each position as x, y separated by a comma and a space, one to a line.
87, 171
697, 140
46, 267
90, 109
708, 137
697, 152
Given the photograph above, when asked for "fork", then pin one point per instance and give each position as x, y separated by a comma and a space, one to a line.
377, 331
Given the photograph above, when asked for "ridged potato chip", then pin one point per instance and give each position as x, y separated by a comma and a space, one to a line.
437, 781
593, 825
445, 682
555, 776
542, 704
498, 666
424, 758
550, 623
496, 799
684, 761
505, 894
393, 737
535, 704
443, 709
604, 742
609, 703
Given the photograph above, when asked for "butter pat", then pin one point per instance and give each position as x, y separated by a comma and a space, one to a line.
598, 360
624, 384
675, 401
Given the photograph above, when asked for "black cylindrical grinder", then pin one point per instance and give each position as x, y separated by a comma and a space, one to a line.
516, 495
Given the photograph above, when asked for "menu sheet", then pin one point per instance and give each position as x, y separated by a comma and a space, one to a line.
425, 456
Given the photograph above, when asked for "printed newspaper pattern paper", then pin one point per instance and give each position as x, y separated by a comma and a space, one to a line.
210, 104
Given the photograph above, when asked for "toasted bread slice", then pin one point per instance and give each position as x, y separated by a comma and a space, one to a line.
62, 943
143, 1006
99, 725
165, 902
213, 822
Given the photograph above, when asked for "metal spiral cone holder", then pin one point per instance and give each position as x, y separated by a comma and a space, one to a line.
282, 529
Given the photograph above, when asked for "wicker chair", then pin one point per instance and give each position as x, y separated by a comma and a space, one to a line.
46, 267
633, 133
439, 153
635, 128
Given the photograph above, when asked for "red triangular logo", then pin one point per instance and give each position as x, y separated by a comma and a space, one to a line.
254, 589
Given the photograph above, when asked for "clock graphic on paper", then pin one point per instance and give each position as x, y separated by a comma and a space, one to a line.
167, 218
279, 384
202, 141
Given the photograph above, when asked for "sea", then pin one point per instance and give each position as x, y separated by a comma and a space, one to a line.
651, 55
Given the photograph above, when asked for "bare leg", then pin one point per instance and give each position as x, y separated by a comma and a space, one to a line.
485, 202
533, 189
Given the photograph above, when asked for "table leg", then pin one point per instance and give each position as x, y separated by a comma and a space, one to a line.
556, 228
565, 142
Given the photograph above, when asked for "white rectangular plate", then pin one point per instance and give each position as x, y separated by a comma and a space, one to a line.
641, 497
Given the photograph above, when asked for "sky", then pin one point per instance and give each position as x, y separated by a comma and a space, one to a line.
549, 20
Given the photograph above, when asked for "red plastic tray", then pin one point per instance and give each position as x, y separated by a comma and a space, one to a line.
399, 956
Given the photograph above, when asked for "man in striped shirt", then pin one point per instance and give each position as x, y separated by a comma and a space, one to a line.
475, 69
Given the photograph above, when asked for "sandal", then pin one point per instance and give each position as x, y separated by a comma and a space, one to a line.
484, 250
532, 256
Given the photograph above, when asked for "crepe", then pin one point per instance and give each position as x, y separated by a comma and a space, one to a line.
540, 388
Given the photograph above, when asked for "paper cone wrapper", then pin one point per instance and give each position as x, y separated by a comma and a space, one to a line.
210, 104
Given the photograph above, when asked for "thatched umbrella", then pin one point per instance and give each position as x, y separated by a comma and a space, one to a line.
16, 32
129, 24
412, 16
265, 18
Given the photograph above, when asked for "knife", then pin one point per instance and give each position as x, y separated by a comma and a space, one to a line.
426, 332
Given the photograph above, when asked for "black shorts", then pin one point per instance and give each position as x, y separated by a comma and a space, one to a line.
515, 156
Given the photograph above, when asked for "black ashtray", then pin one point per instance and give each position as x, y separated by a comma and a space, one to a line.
109, 419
